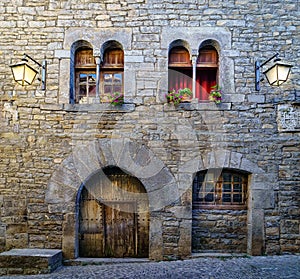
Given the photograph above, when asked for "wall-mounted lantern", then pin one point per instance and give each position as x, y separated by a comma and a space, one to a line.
276, 75
24, 74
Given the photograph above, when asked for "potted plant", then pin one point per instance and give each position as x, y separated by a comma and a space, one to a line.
174, 97
117, 99
215, 94
186, 94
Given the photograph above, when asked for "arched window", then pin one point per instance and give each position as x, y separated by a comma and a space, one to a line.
85, 75
180, 69
207, 71
220, 188
112, 72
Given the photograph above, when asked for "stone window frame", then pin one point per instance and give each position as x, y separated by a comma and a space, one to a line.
215, 176
193, 66
98, 67
97, 39
196, 37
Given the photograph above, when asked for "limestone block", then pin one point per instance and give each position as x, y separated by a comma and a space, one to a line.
184, 243
181, 212
256, 98
158, 180
256, 234
69, 236
263, 199
155, 239
164, 196
235, 160
191, 166
139, 161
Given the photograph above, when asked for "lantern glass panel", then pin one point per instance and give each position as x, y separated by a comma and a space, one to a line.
29, 75
23, 73
278, 73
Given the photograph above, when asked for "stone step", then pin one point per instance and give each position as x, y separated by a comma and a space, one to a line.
30, 261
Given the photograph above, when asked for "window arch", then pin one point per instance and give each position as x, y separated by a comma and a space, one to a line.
112, 70
207, 71
219, 188
180, 71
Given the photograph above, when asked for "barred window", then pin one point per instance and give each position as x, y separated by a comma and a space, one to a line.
220, 188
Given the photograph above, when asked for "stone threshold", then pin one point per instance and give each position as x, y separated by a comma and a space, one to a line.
219, 255
103, 261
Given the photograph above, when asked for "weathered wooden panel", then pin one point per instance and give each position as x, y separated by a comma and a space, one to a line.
114, 217
120, 230
90, 226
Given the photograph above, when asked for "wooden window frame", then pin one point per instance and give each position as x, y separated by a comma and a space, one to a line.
103, 95
113, 59
84, 64
182, 58
113, 63
180, 62
212, 184
207, 61
77, 86
210, 57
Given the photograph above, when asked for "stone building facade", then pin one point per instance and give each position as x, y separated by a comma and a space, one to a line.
53, 148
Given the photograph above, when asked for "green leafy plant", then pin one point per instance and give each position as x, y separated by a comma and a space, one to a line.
215, 94
186, 91
174, 97
117, 99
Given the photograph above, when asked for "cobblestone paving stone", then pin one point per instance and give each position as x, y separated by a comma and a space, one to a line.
285, 267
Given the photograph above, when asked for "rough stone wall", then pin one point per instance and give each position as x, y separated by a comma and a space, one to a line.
39, 130
219, 231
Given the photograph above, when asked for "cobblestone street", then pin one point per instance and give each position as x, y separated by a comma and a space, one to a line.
285, 267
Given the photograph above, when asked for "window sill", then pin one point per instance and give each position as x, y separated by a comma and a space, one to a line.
98, 107
196, 105
220, 207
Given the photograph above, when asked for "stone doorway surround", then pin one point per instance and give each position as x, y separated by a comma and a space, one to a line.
133, 158
166, 193
260, 190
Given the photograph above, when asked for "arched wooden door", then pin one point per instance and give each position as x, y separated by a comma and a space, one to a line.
113, 216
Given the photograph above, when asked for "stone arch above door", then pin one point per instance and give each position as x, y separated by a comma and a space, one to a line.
86, 159
133, 158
